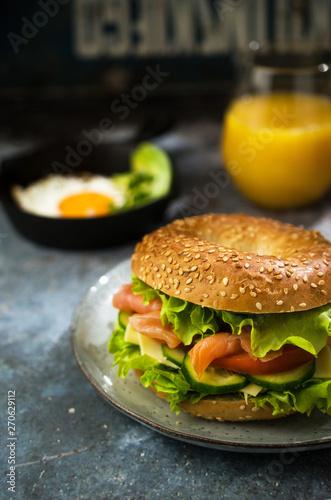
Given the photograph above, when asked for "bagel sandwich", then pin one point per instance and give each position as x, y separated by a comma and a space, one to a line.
228, 317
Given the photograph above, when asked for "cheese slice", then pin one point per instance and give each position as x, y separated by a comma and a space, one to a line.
131, 335
153, 348
251, 390
323, 363
148, 346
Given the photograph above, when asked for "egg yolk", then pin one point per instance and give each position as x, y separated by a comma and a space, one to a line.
85, 205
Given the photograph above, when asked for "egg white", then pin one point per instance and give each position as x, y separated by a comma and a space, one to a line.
44, 196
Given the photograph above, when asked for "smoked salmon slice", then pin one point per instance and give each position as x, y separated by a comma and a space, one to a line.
213, 347
150, 324
222, 345
126, 300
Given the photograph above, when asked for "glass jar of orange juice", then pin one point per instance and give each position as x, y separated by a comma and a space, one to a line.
276, 141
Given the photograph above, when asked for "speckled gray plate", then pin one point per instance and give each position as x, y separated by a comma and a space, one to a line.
91, 329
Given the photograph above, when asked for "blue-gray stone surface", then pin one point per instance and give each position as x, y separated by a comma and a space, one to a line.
71, 444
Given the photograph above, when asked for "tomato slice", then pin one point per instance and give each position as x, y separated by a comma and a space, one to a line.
291, 358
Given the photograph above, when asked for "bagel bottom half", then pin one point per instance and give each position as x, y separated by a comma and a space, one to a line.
227, 407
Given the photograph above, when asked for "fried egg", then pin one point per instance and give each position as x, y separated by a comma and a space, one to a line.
70, 197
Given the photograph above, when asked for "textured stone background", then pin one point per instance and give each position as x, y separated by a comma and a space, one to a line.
71, 443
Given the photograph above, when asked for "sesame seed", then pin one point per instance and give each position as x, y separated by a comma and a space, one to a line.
248, 416
223, 294
259, 306
286, 291
225, 259
242, 290
205, 295
261, 269
270, 269
320, 274
170, 260
194, 268
295, 286
253, 294
279, 302
313, 285
279, 277
303, 304
321, 282
247, 265
187, 290
323, 292
177, 292
325, 262
242, 407
188, 281
305, 279
225, 281
234, 296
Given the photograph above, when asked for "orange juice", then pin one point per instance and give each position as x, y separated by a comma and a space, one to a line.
277, 147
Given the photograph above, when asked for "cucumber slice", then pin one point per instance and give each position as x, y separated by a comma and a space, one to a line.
214, 380
285, 380
175, 355
123, 318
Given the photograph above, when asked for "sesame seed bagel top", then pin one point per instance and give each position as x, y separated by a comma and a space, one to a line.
237, 263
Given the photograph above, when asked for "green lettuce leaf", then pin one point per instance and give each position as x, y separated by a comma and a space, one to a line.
188, 320
314, 393
163, 378
306, 329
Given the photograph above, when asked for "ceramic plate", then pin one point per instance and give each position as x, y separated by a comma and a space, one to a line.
91, 329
